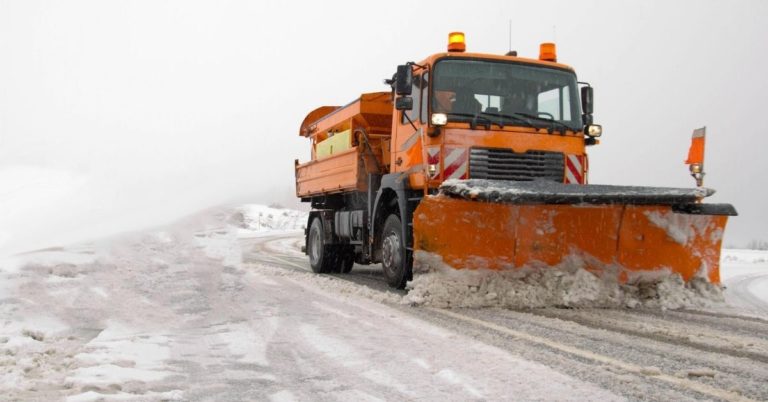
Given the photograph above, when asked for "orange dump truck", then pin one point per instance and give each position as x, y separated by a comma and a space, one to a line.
481, 160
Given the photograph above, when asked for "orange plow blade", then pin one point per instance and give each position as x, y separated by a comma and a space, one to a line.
622, 239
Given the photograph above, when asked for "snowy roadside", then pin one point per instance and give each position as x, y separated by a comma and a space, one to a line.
744, 274
101, 320
738, 262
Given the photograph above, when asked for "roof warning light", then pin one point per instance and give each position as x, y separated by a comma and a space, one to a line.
456, 42
547, 52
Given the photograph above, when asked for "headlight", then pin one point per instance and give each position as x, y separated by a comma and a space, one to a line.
593, 130
439, 119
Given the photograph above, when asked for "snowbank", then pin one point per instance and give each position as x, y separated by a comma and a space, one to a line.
745, 257
745, 274
260, 218
32, 201
739, 262
568, 284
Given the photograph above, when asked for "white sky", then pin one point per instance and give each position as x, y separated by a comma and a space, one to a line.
153, 109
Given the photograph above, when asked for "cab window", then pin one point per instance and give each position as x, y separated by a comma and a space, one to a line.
416, 95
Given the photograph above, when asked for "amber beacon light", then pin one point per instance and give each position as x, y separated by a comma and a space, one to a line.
456, 42
547, 52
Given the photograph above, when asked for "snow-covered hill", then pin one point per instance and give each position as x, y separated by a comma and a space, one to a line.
262, 218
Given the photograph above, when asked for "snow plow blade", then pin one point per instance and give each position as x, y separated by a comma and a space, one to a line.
626, 232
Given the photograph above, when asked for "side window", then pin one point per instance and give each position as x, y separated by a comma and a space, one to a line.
555, 103
416, 95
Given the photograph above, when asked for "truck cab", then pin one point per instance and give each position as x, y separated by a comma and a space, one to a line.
479, 116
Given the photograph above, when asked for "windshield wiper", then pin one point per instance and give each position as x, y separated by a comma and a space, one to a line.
474, 117
516, 117
553, 122
513, 117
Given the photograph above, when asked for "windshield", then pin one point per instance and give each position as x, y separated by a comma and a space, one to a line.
472, 89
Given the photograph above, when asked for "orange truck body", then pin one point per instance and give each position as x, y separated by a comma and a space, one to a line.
347, 168
378, 173
400, 148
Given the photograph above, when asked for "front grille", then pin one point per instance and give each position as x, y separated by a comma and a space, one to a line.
505, 164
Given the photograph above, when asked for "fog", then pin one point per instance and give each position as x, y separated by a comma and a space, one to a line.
116, 115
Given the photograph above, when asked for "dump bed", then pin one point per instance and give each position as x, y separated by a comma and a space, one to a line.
348, 143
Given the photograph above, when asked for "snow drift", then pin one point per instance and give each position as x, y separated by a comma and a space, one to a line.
569, 284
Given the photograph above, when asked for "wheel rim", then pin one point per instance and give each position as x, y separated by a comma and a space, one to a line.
314, 246
391, 252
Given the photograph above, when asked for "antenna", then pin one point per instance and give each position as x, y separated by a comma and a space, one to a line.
510, 35
554, 33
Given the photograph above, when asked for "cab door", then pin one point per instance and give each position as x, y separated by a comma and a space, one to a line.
407, 152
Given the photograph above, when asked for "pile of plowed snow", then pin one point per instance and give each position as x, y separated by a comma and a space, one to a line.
568, 285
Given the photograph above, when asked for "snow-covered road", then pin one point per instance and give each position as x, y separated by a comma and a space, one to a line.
207, 310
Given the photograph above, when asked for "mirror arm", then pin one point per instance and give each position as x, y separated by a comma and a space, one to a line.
409, 120
410, 63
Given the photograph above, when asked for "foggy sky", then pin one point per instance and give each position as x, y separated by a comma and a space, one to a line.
154, 109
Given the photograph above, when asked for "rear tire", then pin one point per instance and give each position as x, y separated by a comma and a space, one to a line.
322, 258
396, 261
346, 260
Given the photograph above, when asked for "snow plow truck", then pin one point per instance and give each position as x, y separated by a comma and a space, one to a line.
480, 159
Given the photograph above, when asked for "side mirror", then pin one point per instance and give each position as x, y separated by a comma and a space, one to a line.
404, 103
587, 100
404, 80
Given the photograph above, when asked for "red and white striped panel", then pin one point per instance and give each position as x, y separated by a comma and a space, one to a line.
574, 169
433, 158
456, 163
433, 155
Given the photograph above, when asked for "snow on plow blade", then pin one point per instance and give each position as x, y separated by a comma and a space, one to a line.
615, 230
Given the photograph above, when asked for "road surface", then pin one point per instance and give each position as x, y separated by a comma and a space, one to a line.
205, 311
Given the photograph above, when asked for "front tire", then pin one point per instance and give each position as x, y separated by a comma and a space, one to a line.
322, 258
396, 260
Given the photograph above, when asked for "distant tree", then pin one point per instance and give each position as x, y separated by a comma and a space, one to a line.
758, 245
276, 205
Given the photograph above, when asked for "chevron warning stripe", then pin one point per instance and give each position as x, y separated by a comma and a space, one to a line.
574, 169
455, 163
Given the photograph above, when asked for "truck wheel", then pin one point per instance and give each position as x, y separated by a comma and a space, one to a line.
395, 259
321, 256
346, 260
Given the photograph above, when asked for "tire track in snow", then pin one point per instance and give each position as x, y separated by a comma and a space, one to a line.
688, 361
600, 358
714, 318
658, 330
724, 371
263, 250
